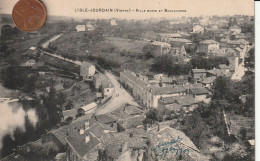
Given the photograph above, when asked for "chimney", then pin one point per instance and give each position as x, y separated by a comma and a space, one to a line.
81, 131
86, 125
87, 139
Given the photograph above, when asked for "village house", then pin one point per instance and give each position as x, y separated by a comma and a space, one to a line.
185, 103
81, 28
235, 29
222, 52
179, 42
89, 27
198, 74
33, 34
201, 94
161, 47
224, 68
208, 81
164, 37
198, 28
29, 63
89, 108
113, 22
136, 85
163, 131
101, 82
107, 89
178, 51
153, 94
238, 43
87, 69
129, 117
208, 45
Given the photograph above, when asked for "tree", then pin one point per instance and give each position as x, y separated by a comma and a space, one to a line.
243, 132
69, 105
224, 90
14, 77
80, 112
3, 49
53, 109
7, 31
149, 51
69, 120
250, 60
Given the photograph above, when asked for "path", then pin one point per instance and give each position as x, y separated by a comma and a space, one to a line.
115, 102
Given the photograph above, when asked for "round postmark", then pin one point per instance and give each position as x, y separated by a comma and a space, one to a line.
29, 15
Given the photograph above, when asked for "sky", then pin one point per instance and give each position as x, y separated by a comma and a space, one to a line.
193, 8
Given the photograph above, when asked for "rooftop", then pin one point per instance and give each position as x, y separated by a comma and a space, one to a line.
166, 90
168, 134
223, 66
199, 91
87, 64
168, 35
181, 100
209, 42
164, 44
208, 80
180, 40
104, 118
222, 52
130, 75
199, 70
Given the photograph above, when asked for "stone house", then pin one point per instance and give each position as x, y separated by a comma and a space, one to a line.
87, 69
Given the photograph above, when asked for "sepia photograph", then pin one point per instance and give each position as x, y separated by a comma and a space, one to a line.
124, 80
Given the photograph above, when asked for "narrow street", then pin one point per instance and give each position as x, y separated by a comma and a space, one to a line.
116, 101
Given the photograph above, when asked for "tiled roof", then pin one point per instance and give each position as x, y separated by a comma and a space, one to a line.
132, 122
168, 35
181, 100
186, 100
89, 106
69, 113
104, 118
209, 42
61, 134
167, 134
87, 64
134, 78
222, 52
238, 42
199, 91
166, 90
223, 66
180, 40
78, 142
198, 70
164, 44
216, 72
208, 80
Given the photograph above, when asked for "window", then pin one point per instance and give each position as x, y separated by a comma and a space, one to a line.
107, 90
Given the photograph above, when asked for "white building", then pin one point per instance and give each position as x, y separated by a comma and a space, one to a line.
87, 69
207, 46
198, 29
81, 28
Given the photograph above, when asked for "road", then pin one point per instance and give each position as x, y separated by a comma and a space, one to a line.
120, 95
116, 101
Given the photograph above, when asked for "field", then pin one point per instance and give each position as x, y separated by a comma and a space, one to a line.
126, 52
127, 45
